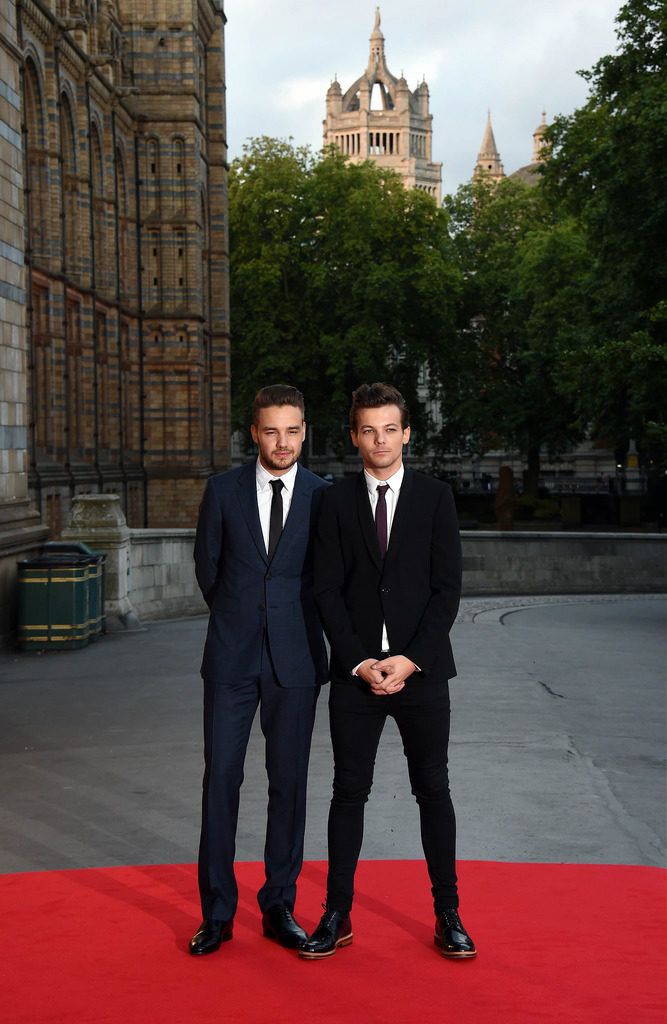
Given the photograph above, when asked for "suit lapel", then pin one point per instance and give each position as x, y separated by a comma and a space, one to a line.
401, 520
248, 501
366, 521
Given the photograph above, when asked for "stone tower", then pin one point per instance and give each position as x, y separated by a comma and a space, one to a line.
538, 140
379, 118
489, 164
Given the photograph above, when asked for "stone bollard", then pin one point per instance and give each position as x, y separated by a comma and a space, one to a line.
98, 520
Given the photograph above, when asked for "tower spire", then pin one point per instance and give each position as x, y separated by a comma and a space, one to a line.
489, 163
376, 55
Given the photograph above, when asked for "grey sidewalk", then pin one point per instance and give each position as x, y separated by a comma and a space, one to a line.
557, 752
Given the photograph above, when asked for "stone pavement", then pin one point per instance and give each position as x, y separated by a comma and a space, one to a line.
557, 750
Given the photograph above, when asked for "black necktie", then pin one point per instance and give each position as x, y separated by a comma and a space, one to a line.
276, 519
381, 518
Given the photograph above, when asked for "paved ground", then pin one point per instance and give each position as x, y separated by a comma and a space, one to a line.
557, 753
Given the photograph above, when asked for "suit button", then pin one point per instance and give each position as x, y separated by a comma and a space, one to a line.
385, 590
261, 608
268, 576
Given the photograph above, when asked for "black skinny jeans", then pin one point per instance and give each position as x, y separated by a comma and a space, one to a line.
357, 718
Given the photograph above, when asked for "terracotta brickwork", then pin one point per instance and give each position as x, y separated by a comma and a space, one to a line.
20, 529
126, 252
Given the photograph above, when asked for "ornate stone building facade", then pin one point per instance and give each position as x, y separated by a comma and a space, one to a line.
114, 351
379, 118
20, 527
126, 250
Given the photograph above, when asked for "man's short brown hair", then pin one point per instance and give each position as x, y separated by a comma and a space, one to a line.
372, 396
277, 394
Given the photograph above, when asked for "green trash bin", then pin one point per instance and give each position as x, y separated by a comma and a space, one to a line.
54, 601
96, 580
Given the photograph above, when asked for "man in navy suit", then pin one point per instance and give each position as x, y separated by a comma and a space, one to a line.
264, 647
387, 582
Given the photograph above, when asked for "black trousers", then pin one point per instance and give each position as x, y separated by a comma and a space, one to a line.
287, 715
357, 718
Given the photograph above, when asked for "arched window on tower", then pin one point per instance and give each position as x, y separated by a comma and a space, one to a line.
123, 214
72, 253
178, 173
153, 271
152, 176
36, 166
180, 267
98, 218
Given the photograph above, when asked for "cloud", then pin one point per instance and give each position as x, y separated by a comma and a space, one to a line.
515, 56
301, 91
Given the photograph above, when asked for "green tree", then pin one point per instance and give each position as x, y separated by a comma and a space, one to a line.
525, 277
338, 275
608, 168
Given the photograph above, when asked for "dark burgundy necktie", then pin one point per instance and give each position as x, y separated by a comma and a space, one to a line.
276, 518
381, 518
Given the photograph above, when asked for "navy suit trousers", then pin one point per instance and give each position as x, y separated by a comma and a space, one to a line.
287, 715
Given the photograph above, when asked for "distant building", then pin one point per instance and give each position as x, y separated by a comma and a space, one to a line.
489, 164
379, 118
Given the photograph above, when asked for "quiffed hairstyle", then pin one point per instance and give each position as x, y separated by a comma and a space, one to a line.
372, 396
277, 394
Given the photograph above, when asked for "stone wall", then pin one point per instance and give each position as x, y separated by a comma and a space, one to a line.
521, 562
162, 578
162, 582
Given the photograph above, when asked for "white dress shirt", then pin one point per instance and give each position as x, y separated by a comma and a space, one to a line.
265, 495
391, 497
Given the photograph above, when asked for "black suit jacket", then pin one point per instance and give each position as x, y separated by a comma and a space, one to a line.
415, 589
250, 596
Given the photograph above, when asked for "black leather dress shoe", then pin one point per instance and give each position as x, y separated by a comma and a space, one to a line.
451, 936
279, 924
210, 936
334, 930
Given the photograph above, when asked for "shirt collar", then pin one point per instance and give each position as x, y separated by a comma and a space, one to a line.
264, 477
394, 481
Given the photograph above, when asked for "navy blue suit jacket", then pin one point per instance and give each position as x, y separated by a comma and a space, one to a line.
247, 594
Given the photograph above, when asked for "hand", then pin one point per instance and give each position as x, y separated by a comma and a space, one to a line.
371, 675
395, 671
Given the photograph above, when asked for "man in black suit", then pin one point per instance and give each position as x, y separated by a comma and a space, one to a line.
387, 582
264, 647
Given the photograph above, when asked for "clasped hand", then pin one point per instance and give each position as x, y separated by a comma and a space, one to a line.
386, 676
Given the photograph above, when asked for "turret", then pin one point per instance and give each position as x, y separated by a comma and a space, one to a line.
539, 141
334, 98
376, 55
489, 164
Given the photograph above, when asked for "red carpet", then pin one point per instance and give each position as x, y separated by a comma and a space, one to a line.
573, 944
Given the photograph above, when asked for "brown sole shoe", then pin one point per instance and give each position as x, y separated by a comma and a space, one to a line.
345, 941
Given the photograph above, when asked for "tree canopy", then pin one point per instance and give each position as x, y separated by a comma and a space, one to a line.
608, 169
525, 275
535, 315
338, 275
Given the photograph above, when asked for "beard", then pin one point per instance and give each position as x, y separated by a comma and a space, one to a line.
280, 460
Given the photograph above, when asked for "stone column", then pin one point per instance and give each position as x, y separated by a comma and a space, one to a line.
21, 531
98, 521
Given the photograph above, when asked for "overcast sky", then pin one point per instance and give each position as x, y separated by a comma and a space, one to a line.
516, 57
